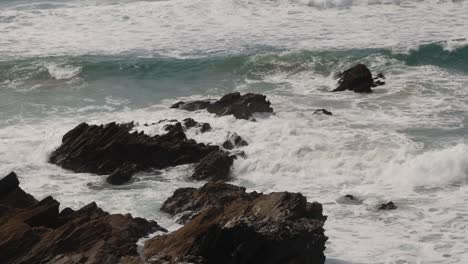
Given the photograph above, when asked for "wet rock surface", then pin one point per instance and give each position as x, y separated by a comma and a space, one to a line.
34, 231
187, 124
113, 149
358, 79
234, 141
387, 206
322, 111
225, 224
215, 166
240, 106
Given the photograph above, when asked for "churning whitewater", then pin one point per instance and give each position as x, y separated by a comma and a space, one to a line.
63, 62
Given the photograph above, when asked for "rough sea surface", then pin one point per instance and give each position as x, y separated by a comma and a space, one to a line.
66, 62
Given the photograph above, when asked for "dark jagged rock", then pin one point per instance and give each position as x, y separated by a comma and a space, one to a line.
231, 226
189, 123
36, 232
234, 141
191, 201
322, 111
387, 206
215, 166
205, 127
241, 106
193, 106
111, 148
122, 175
358, 79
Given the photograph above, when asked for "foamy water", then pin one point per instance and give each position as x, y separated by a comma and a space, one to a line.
66, 62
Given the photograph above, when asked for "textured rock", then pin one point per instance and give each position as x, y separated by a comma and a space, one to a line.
241, 106
36, 232
227, 225
111, 148
387, 206
322, 111
205, 127
358, 79
234, 141
215, 166
189, 123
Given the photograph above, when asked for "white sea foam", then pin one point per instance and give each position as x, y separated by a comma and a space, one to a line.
60, 71
360, 150
194, 28
405, 143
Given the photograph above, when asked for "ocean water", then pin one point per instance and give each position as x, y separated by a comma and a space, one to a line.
63, 62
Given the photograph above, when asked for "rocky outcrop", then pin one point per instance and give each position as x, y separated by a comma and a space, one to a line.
322, 111
387, 206
189, 123
34, 231
358, 79
234, 141
113, 149
240, 106
215, 166
225, 224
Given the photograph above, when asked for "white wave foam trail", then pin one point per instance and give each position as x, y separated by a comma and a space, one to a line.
429, 169
351, 152
181, 28
60, 71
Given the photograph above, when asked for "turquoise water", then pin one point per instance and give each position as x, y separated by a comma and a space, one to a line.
66, 62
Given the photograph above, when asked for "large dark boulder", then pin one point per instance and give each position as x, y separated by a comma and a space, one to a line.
215, 166
224, 224
36, 232
240, 106
113, 149
358, 79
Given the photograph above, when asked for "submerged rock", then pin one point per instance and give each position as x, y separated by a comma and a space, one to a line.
387, 206
215, 166
234, 141
358, 79
36, 232
112, 149
322, 111
240, 106
349, 199
227, 225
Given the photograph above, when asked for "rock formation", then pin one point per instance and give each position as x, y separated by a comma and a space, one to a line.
240, 106
112, 149
234, 141
358, 79
225, 224
215, 166
34, 231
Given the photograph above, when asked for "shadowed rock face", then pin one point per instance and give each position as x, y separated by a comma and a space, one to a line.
358, 79
224, 224
215, 166
240, 106
112, 149
36, 232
